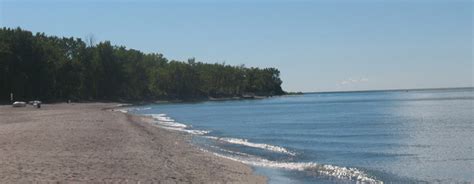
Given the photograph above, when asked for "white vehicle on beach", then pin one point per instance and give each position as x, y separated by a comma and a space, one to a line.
35, 103
19, 104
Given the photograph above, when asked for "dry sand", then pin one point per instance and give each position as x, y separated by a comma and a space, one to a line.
84, 143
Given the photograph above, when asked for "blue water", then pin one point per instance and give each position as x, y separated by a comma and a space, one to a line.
386, 136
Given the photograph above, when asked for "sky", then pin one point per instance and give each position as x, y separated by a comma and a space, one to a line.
318, 45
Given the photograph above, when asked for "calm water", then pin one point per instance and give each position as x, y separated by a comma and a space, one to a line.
391, 136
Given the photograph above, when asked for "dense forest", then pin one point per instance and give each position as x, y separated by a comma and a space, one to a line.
50, 68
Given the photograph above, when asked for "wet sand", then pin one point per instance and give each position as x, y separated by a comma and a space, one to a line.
84, 143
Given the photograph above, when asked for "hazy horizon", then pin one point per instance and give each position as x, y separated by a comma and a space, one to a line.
317, 46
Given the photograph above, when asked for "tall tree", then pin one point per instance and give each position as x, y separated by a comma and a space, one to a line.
52, 68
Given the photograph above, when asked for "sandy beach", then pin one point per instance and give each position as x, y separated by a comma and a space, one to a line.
85, 143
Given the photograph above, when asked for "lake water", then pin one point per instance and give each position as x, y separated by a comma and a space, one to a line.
385, 136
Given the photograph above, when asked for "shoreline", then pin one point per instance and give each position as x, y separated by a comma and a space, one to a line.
158, 101
86, 142
218, 148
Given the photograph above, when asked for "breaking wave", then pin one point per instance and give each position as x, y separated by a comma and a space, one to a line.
322, 169
126, 110
168, 123
139, 108
120, 110
245, 142
195, 132
162, 119
353, 174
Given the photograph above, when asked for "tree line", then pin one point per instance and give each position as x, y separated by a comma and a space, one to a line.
50, 68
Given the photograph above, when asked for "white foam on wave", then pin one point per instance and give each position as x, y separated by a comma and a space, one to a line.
122, 105
162, 119
245, 142
120, 110
323, 169
168, 123
139, 108
126, 110
229, 151
195, 132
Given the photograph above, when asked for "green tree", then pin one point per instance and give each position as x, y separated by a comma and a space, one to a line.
50, 68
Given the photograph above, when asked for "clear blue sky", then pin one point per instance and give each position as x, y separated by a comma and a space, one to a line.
317, 45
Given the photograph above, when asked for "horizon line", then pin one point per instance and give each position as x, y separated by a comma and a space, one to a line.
395, 89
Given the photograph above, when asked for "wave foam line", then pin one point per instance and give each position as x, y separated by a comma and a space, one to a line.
231, 152
245, 142
120, 110
162, 119
323, 169
126, 110
139, 108
167, 123
195, 132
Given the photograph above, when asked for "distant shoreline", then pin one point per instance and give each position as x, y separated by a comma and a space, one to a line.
195, 100
388, 90
159, 101
236, 98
